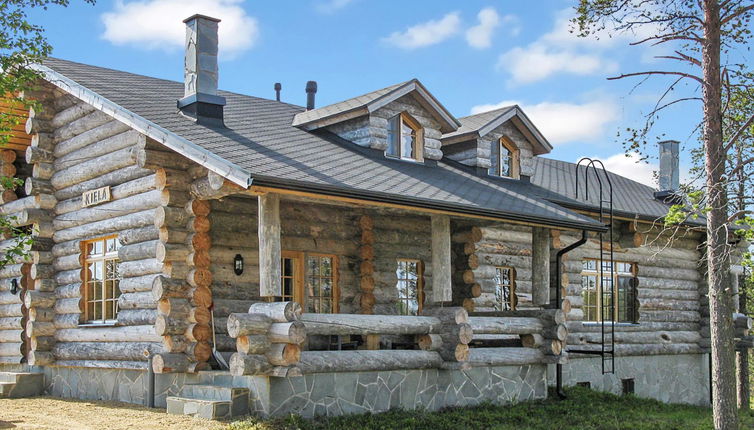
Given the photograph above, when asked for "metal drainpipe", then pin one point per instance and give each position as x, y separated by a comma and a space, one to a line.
150, 382
559, 299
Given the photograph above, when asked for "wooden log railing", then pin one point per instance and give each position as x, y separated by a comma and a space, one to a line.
268, 339
270, 335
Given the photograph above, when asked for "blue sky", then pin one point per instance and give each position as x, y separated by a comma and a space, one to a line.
472, 55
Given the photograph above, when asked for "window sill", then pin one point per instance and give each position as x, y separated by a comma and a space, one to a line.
92, 325
405, 160
617, 324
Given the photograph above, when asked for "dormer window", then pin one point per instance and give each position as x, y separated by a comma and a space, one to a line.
504, 159
404, 138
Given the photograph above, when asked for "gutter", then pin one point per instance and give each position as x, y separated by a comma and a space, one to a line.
558, 302
171, 140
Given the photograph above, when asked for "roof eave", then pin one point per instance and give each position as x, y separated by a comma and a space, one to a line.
423, 204
171, 140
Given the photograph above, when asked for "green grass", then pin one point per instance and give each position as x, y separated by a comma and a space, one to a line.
583, 410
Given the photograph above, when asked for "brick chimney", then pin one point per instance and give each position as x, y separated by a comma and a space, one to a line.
200, 73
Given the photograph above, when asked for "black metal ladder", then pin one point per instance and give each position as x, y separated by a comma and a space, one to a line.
606, 268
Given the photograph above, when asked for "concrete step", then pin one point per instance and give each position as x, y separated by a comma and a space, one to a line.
213, 392
207, 409
21, 384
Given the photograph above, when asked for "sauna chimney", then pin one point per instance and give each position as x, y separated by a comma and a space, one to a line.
200, 72
669, 177
311, 91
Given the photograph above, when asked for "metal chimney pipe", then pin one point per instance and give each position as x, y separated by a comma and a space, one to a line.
278, 87
311, 91
669, 170
201, 101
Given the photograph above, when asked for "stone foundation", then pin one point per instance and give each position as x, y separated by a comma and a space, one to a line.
668, 378
315, 394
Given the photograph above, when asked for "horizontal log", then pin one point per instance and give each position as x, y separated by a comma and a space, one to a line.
124, 206
352, 324
81, 125
107, 226
142, 300
40, 358
504, 356
11, 323
283, 354
103, 364
277, 311
11, 336
97, 149
11, 310
92, 168
128, 351
171, 363
252, 344
244, 364
363, 361
66, 320
142, 333
88, 137
289, 332
11, 349
115, 178
638, 337
506, 325
240, 324
129, 317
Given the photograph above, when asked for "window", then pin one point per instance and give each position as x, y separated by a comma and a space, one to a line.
596, 288
313, 285
321, 283
628, 386
410, 286
101, 279
505, 288
504, 159
405, 138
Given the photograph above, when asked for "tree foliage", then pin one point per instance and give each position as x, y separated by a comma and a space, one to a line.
22, 44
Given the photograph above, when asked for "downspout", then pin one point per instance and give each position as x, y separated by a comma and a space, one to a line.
558, 301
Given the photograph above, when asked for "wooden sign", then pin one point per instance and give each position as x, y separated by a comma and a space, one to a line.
95, 197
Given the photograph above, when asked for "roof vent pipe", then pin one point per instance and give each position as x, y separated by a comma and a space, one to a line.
669, 177
311, 91
200, 73
278, 87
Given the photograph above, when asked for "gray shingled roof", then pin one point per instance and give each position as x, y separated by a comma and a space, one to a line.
343, 106
375, 99
480, 124
261, 139
630, 198
472, 123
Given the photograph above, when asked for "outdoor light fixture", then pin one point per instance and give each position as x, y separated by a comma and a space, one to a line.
14, 286
238, 264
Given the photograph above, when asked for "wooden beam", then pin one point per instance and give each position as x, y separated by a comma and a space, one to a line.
442, 286
256, 190
269, 245
540, 266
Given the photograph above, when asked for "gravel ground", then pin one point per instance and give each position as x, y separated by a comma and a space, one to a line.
64, 414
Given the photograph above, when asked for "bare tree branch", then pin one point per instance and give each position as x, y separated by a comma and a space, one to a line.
656, 72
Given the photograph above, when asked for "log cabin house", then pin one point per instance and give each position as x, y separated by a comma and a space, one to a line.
375, 253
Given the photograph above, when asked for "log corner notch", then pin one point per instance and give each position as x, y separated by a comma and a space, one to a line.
268, 339
270, 253
38, 283
464, 262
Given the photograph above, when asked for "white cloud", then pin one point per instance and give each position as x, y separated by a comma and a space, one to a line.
537, 62
480, 35
332, 6
158, 24
561, 51
632, 167
427, 33
565, 122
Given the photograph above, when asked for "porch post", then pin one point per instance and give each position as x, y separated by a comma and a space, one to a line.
269, 245
540, 266
442, 286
